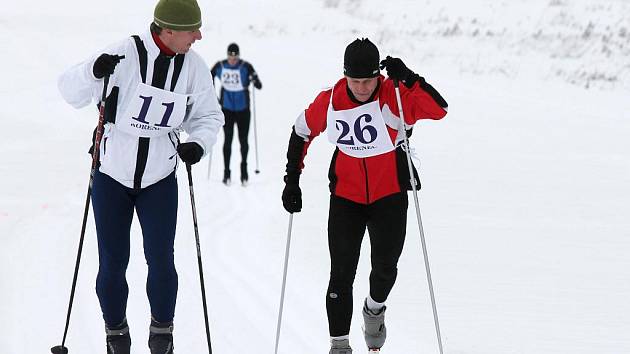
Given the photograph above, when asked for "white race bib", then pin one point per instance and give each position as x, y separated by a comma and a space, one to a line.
152, 112
359, 132
231, 80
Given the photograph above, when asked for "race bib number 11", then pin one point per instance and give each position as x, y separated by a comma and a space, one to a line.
153, 112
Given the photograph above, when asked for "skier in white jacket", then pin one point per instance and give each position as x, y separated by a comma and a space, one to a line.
158, 86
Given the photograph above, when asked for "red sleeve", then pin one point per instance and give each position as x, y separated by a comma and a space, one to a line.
316, 114
417, 103
312, 122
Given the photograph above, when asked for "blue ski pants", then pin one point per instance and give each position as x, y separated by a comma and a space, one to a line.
156, 207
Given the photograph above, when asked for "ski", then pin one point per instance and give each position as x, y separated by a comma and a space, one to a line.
374, 351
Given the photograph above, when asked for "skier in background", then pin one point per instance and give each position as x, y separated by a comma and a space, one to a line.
159, 88
368, 175
235, 75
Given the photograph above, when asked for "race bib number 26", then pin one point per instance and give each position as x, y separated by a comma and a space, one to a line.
360, 136
365, 134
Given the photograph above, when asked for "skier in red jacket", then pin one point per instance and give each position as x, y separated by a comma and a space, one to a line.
368, 176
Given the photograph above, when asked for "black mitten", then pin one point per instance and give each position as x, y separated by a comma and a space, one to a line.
105, 65
256, 81
397, 70
292, 195
190, 152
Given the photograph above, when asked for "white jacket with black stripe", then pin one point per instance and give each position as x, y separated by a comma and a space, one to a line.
139, 162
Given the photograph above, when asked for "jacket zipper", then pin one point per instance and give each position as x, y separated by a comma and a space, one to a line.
367, 186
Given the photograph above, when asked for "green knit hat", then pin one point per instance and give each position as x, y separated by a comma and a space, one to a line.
178, 15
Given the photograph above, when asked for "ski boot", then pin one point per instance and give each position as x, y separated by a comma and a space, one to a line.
374, 329
226, 177
244, 175
118, 339
161, 337
340, 346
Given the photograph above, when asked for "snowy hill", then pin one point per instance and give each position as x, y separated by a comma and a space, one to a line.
525, 182
583, 42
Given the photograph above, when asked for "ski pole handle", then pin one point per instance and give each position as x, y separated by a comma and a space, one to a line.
100, 126
105, 85
189, 170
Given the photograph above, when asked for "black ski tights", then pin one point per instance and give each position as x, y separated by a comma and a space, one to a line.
386, 221
241, 119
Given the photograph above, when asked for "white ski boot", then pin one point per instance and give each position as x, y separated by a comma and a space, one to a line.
374, 329
340, 346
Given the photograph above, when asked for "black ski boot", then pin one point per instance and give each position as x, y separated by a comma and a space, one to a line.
161, 337
244, 175
226, 177
118, 339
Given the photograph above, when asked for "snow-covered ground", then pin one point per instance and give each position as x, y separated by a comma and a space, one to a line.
525, 182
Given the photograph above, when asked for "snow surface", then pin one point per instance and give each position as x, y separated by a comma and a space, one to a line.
525, 182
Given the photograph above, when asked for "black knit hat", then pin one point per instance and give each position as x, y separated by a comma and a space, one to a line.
361, 59
233, 49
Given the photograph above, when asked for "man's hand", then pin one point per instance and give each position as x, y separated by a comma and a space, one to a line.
105, 65
395, 67
190, 153
292, 195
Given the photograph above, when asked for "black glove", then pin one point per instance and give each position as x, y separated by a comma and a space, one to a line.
397, 70
292, 194
256, 81
190, 153
105, 65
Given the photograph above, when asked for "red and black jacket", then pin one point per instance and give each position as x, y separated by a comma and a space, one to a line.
364, 180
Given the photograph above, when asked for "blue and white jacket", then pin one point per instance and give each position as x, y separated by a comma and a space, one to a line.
235, 80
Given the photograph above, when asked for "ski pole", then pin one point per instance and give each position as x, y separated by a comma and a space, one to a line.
61, 349
284, 281
203, 286
255, 130
415, 199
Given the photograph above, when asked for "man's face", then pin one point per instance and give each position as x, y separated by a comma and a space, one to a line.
232, 59
180, 41
362, 89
